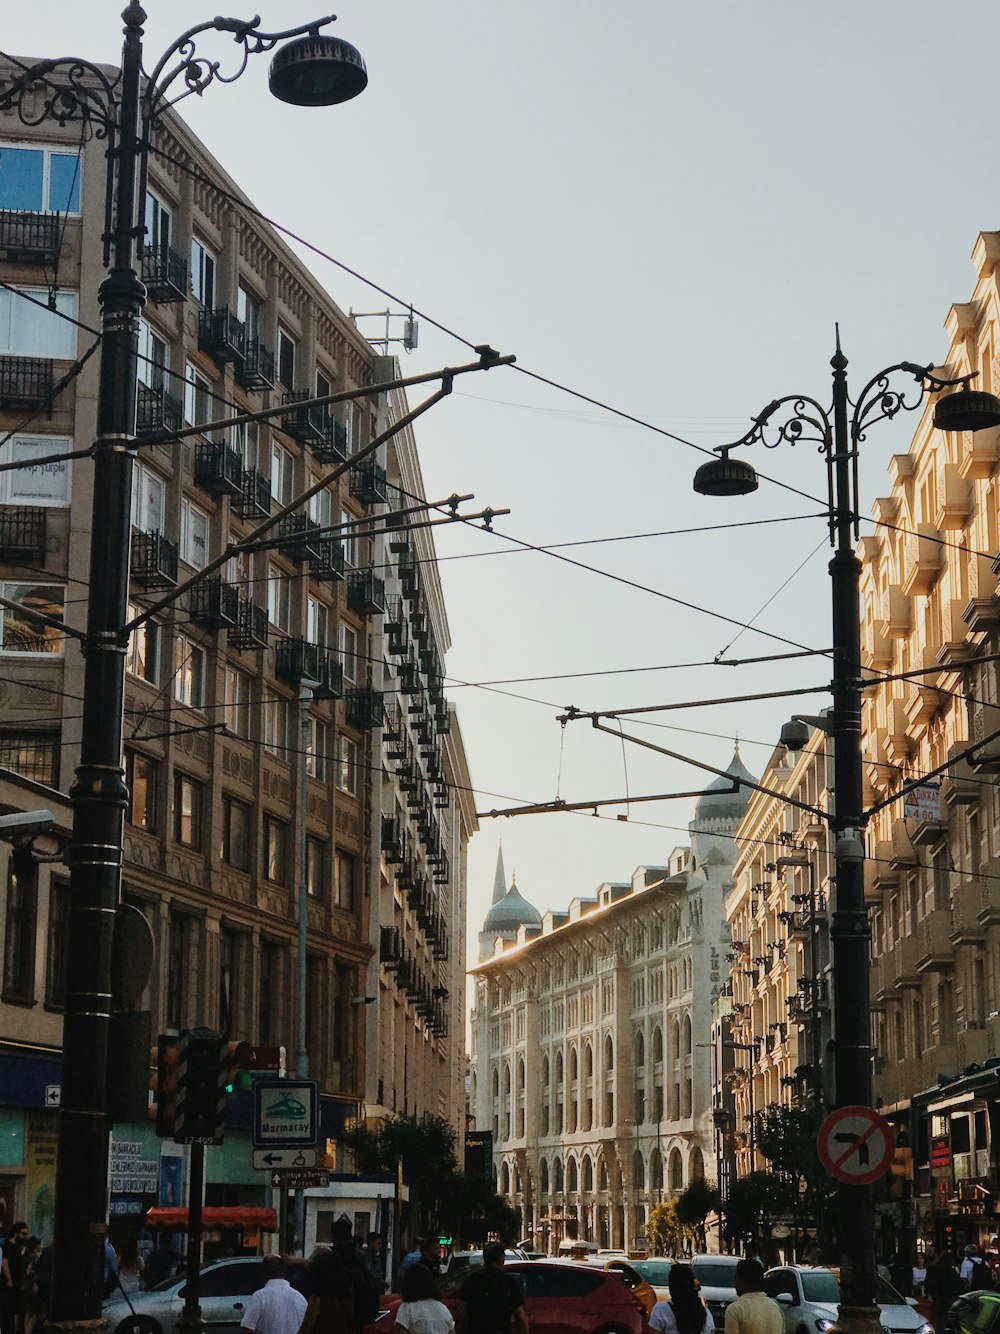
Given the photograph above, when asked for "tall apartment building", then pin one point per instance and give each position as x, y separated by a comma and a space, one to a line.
214, 749
933, 885
588, 1032
779, 953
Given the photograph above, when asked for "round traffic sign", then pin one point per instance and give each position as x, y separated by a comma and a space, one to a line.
856, 1145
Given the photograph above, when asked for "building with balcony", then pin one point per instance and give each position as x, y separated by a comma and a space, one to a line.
217, 682
589, 1026
930, 619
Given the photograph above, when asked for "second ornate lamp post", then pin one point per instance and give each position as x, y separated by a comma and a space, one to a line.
311, 70
839, 432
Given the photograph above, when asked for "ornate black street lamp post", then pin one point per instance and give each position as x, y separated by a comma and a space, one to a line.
313, 70
839, 432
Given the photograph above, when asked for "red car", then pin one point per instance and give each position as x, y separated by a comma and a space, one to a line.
559, 1298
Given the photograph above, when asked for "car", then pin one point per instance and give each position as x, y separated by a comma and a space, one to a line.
716, 1276
226, 1287
459, 1259
656, 1273
630, 1276
560, 1297
973, 1313
809, 1297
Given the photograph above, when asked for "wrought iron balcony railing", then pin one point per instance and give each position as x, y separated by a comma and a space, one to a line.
293, 536
363, 709
332, 448
255, 366
366, 593
254, 500
29, 238
305, 424
328, 564
214, 603
393, 840
157, 411
154, 560
26, 382
22, 532
220, 334
368, 484
218, 468
297, 660
165, 275
250, 631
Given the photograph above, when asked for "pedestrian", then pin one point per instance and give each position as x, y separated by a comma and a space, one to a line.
919, 1273
973, 1269
490, 1301
331, 1301
366, 1295
753, 1312
129, 1266
32, 1308
430, 1255
375, 1260
110, 1268
685, 1312
11, 1294
942, 1285
276, 1308
422, 1311
410, 1258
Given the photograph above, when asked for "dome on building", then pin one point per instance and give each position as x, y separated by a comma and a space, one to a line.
719, 801
511, 912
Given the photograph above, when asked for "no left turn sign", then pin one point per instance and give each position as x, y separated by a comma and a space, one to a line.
856, 1145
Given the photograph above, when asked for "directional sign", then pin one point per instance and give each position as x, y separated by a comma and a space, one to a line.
283, 1160
285, 1113
53, 1095
308, 1178
856, 1145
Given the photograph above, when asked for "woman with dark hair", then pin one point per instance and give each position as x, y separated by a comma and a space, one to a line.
685, 1312
422, 1311
331, 1306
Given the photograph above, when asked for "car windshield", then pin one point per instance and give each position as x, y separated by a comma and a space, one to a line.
654, 1271
822, 1286
714, 1273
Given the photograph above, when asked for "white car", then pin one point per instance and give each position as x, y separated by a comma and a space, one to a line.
809, 1299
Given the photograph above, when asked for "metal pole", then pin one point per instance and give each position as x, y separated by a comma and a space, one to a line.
815, 1055
191, 1314
98, 795
306, 688
849, 932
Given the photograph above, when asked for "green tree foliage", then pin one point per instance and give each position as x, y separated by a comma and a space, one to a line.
665, 1232
756, 1202
786, 1136
693, 1205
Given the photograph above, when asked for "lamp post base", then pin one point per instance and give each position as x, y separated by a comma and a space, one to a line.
858, 1320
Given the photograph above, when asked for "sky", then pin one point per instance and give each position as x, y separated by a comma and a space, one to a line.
664, 207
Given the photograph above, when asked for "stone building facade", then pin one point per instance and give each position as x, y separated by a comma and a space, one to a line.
589, 1032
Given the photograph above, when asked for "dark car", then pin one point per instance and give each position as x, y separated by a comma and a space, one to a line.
559, 1298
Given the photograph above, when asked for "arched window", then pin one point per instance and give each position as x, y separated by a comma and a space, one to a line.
571, 1177
545, 1073
496, 1084
543, 1176
640, 1050
520, 1071
587, 1175
602, 1176
609, 1054
588, 1062
657, 1045
676, 1170
559, 1067
574, 1065
696, 1166
686, 1036
504, 1179
675, 1040
557, 1176
638, 1170
656, 1170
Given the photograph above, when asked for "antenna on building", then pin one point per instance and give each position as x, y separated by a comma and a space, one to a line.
409, 336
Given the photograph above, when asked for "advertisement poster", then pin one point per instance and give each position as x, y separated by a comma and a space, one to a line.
40, 1142
171, 1180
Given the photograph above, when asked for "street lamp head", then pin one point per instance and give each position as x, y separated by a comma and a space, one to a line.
794, 734
967, 410
725, 476
317, 71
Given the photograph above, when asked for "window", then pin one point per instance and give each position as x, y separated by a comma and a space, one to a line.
202, 273
318, 617
58, 944
343, 890
19, 941
279, 599
235, 833
194, 535
286, 358
318, 750
23, 634
316, 862
248, 311
148, 492
34, 483
269, 1018
231, 957
347, 765
33, 755
189, 673
246, 439
275, 850
274, 711
349, 651
141, 657
178, 962
236, 685
281, 475
39, 180
347, 537
151, 369
157, 219
321, 508
141, 777
197, 397
27, 330
188, 797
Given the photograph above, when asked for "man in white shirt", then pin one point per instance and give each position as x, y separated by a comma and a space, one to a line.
276, 1308
753, 1312
973, 1270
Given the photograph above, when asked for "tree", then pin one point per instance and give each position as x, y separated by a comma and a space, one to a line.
664, 1230
693, 1205
755, 1204
786, 1136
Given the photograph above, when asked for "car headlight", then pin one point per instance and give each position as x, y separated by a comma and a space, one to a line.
824, 1326
926, 1329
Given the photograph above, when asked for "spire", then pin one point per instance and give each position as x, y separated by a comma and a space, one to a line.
499, 879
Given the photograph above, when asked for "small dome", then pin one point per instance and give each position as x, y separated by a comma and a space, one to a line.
510, 912
719, 802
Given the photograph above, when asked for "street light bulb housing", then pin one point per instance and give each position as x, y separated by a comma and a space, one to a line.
967, 410
725, 477
317, 71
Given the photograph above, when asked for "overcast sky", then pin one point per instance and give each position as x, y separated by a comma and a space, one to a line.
665, 207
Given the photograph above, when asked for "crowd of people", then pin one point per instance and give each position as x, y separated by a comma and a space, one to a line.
937, 1279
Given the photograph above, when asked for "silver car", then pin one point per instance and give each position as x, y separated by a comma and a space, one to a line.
226, 1287
809, 1299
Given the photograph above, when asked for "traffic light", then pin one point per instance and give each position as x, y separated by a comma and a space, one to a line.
200, 1100
167, 1055
233, 1057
